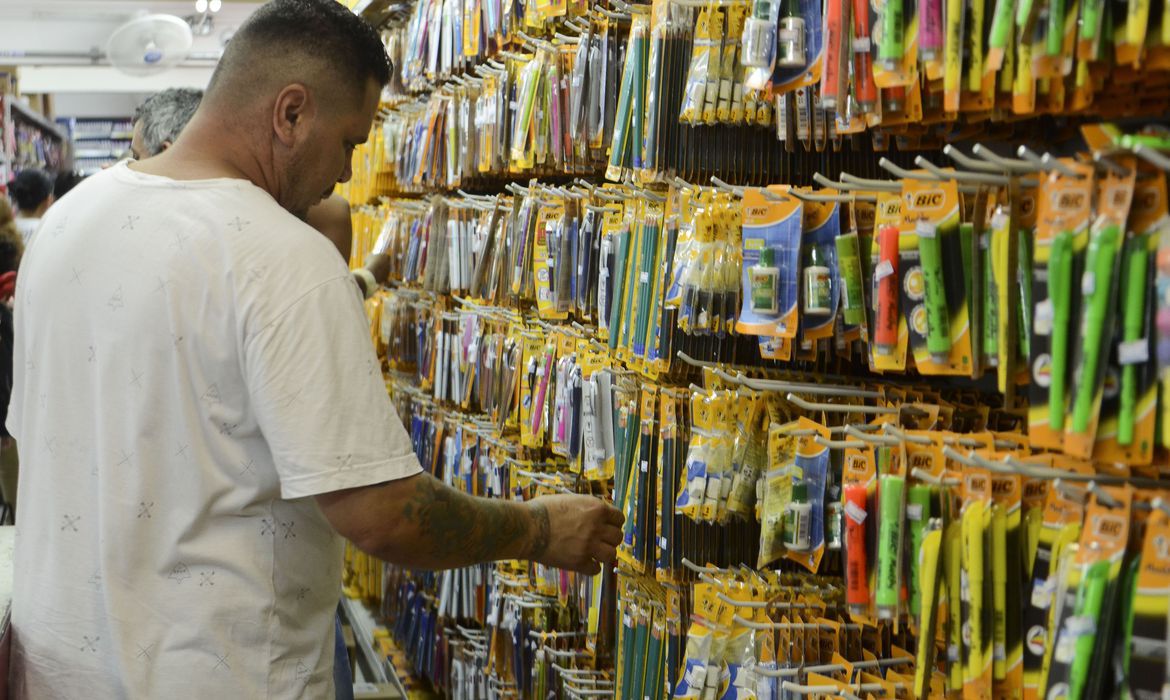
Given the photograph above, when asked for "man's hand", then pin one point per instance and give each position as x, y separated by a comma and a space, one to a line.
578, 533
420, 522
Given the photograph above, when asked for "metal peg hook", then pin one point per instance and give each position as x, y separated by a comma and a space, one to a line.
979, 178
838, 408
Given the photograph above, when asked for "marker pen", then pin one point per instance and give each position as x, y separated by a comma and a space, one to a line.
831, 65
929, 568
1060, 258
849, 267
973, 572
1089, 601
856, 565
938, 320
917, 517
885, 280
1055, 36
891, 509
863, 86
891, 46
1135, 311
930, 29
1095, 286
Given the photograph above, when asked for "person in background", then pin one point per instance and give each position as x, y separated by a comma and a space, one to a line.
66, 180
32, 191
199, 408
11, 250
162, 117
158, 120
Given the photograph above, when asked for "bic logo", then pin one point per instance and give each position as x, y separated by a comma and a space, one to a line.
930, 199
1070, 201
1109, 527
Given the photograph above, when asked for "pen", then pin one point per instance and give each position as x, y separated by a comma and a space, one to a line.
938, 321
1134, 315
917, 516
1060, 294
890, 48
1095, 286
1089, 601
885, 280
891, 497
863, 85
930, 29
856, 568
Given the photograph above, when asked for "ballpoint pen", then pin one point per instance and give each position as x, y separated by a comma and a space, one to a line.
1096, 286
1060, 258
1134, 314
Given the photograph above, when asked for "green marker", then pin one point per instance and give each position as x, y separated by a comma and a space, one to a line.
1090, 20
849, 266
1001, 31
1137, 260
1095, 287
890, 48
1090, 598
1160, 143
1060, 294
917, 518
891, 497
938, 320
1055, 36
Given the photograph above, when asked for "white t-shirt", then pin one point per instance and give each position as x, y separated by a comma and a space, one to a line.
191, 366
27, 227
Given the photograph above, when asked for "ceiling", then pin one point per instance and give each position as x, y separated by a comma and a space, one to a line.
50, 41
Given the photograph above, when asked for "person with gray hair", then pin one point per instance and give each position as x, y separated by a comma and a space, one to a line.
159, 119
162, 117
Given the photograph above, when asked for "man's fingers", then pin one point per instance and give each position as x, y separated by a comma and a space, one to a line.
610, 535
604, 553
592, 568
615, 516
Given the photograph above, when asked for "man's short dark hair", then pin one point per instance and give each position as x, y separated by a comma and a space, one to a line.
321, 29
31, 188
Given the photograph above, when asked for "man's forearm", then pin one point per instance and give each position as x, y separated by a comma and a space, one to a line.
430, 525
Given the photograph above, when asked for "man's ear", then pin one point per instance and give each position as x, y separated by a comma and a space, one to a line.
293, 105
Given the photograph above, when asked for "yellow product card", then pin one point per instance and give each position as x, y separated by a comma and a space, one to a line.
934, 206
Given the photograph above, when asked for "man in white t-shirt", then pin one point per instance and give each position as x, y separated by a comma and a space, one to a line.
201, 413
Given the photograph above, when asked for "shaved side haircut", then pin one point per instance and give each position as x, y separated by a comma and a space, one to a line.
316, 42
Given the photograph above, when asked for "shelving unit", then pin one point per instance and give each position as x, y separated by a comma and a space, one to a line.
97, 142
363, 623
27, 139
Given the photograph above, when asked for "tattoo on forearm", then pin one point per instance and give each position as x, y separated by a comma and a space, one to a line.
456, 526
540, 531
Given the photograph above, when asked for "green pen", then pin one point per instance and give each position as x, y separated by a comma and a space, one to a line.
1001, 29
990, 300
1095, 286
917, 517
890, 48
1090, 20
1060, 259
849, 266
1089, 601
1160, 143
1055, 36
1137, 261
938, 320
891, 509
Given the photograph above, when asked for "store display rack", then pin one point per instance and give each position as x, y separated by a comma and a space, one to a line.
853, 312
27, 140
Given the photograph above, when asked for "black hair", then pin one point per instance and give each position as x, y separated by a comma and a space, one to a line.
322, 29
31, 188
66, 180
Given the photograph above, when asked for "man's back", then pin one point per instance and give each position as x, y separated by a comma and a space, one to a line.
165, 401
